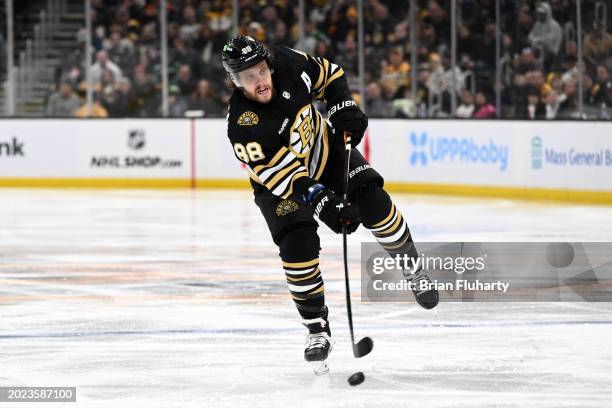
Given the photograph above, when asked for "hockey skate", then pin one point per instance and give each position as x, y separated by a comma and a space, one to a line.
318, 343
427, 298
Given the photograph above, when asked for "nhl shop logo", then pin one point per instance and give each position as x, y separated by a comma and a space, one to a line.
536, 152
419, 144
136, 139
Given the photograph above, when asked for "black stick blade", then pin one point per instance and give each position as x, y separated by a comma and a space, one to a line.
363, 347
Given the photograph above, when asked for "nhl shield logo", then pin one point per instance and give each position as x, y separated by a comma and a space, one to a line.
286, 206
136, 139
286, 95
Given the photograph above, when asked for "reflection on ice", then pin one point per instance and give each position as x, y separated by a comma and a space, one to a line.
173, 298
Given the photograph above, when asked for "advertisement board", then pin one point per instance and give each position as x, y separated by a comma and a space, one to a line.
132, 149
543, 155
558, 160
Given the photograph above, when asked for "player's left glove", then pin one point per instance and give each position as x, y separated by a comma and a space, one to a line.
346, 116
332, 210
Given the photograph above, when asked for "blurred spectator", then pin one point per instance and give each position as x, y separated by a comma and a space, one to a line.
189, 26
484, 110
348, 57
601, 87
181, 55
63, 102
466, 109
121, 52
439, 20
203, 99
376, 106
104, 64
546, 34
185, 81
177, 104
309, 43
597, 44
523, 27
438, 81
535, 107
526, 62
394, 72
128, 31
96, 111
144, 92
568, 101
281, 34
322, 50
118, 100
403, 107
552, 104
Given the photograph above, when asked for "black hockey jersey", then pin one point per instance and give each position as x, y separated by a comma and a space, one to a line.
285, 144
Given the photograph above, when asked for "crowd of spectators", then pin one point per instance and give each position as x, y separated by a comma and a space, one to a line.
538, 63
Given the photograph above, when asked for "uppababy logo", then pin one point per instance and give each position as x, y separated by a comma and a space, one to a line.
428, 150
418, 152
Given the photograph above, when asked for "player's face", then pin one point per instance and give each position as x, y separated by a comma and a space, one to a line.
257, 82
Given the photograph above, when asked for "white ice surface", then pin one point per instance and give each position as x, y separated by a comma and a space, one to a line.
177, 299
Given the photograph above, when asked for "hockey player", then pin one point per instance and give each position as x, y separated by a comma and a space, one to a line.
294, 158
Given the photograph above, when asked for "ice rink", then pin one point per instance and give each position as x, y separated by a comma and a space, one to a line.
178, 299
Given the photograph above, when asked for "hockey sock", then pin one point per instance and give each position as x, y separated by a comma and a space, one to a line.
299, 251
306, 287
383, 219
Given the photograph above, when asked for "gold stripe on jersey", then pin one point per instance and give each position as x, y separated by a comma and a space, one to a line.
328, 72
312, 155
280, 174
323, 155
281, 153
295, 177
335, 76
321, 76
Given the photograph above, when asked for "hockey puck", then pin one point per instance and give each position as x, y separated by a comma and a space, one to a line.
356, 379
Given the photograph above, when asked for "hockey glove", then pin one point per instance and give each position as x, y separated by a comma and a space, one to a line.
346, 116
333, 211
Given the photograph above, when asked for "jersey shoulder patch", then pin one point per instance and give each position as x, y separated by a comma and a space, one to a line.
248, 118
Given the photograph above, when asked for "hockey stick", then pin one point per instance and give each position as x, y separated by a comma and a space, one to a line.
365, 345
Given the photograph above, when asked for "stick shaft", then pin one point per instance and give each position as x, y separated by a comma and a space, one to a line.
347, 161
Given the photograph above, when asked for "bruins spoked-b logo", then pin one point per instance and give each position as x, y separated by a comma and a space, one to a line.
302, 133
285, 207
248, 118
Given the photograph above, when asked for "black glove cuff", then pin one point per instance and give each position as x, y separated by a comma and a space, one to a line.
341, 105
313, 192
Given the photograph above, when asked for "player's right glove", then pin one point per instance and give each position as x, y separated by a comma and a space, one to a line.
332, 210
346, 116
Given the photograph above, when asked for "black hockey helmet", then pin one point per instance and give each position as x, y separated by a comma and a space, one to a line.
243, 52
